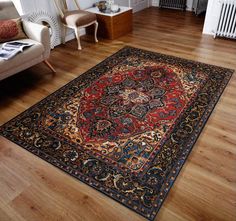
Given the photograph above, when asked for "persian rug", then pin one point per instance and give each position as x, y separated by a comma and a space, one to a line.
126, 126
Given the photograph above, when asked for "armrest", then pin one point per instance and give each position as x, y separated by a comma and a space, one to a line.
38, 33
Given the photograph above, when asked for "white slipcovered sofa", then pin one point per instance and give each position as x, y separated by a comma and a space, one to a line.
37, 34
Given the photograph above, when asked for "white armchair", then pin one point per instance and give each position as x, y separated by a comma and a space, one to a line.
37, 34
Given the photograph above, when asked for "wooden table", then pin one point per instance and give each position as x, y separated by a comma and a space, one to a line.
114, 25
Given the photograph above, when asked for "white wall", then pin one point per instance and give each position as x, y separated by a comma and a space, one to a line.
137, 5
189, 5
86, 3
123, 2
155, 2
18, 6
212, 15
27, 6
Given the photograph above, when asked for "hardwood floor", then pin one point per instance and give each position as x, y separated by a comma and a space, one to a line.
33, 190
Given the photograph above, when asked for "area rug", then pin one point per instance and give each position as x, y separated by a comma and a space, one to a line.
126, 126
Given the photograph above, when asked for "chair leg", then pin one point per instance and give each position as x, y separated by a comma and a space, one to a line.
95, 31
63, 34
77, 37
49, 65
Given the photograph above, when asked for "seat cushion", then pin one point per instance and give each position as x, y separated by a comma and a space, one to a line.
23, 58
78, 18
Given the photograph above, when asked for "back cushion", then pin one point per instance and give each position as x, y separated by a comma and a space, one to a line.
11, 30
8, 10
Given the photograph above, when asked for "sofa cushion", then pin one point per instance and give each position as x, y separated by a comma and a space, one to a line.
35, 51
11, 29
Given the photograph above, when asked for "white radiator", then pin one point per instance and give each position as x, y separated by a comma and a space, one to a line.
227, 20
176, 4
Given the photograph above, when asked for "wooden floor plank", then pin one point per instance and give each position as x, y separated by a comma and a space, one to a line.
32, 189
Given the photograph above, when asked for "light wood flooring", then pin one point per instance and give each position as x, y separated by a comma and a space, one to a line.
33, 190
